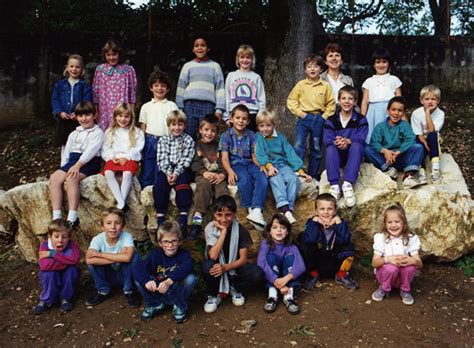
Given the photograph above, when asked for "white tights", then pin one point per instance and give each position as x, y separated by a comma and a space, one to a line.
120, 192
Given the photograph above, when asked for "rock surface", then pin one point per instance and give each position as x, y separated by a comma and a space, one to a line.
441, 214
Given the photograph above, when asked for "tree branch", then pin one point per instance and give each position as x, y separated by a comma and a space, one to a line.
362, 15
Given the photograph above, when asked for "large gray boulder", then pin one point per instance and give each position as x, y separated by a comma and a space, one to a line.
441, 213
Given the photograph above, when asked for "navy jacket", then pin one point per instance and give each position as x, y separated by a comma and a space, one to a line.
159, 267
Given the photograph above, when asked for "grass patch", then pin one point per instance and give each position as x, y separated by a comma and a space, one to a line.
466, 264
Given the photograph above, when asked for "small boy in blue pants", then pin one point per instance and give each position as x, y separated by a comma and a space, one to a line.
280, 162
393, 146
109, 259
344, 137
426, 122
237, 146
165, 277
311, 101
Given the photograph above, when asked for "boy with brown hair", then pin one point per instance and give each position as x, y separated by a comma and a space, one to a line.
311, 100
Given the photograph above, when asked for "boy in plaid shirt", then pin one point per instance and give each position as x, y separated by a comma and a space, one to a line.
174, 154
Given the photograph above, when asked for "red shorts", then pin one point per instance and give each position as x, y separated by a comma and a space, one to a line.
129, 166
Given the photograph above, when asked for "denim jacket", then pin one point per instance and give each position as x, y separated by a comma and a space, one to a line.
61, 96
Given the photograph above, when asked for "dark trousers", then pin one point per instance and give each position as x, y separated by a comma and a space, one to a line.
281, 266
59, 285
326, 263
247, 277
177, 294
433, 143
149, 166
116, 274
184, 193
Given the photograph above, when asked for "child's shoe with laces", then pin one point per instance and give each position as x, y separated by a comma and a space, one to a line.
237, 298
179, 315
152, 311
212, 303
407, 298
379, 294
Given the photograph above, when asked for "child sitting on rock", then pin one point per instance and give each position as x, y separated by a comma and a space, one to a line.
210, 176
393, 147
59, 271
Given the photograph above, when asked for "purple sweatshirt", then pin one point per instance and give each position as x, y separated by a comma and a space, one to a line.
59, 260
280, 251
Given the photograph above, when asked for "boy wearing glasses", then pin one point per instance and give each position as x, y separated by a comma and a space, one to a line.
165, 276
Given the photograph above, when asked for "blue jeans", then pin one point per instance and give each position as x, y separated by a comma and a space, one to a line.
149, 166
285, 186
177, 294
116, 274
281, 267
408, 161
311, 125
252, 184
248, 277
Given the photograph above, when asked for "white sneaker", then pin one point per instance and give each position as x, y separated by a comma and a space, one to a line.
411, 182
392, 172
348, 193
435, 172
212, 303
237, 298
335, 191
422, 174
255, 216
289, 216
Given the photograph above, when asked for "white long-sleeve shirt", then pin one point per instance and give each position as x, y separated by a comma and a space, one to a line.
88, 142
119, 145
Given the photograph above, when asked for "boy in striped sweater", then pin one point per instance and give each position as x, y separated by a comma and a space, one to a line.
200, 87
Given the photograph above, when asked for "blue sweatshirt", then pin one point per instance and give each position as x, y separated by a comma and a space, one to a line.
399, 137
356, 129
159, 267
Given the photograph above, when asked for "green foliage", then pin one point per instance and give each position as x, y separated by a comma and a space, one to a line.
302, 330
177, 342
366, 260
466, 264
144, 247
130, 332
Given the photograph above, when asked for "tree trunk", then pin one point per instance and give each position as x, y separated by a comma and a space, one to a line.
290, 39
441, 16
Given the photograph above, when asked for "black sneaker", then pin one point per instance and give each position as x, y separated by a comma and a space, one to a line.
65, 306
184, 230
97, 298
132, 300
41, 307
75, 224
195, 232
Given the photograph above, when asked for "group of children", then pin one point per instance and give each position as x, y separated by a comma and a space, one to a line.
179, 143
165, 276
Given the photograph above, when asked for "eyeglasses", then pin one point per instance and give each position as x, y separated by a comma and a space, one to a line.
172, 242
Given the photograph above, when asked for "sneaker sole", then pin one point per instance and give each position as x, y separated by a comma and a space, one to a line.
257, 226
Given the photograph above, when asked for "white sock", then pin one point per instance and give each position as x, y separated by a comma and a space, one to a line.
272, 292
57, 214
435, 165
114, 187
127, 178
289, 295
72, 215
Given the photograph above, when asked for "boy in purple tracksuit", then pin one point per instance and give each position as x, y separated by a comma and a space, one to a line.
59, 273
165, 277
344, 137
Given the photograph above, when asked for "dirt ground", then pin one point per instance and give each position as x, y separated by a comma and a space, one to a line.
442, 315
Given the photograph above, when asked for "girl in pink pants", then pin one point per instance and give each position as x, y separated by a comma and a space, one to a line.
396, 257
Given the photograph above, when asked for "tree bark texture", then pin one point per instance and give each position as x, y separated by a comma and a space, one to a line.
289, 40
